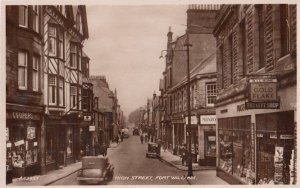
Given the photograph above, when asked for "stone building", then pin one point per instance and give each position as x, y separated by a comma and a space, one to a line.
24, 88
256, 100
202, 61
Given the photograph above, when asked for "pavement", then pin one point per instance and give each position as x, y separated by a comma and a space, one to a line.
207, 174
51, 176
175, 161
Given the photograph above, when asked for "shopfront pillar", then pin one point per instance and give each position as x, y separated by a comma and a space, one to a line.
43, 146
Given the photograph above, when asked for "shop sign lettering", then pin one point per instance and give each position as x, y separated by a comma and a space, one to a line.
260, 135
241, 108
23, 115
262, 105
208, 119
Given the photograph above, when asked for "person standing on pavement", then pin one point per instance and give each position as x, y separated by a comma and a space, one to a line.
142, 138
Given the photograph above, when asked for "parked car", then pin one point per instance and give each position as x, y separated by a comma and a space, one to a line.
95, 170
125, 133
153, 150
136, 131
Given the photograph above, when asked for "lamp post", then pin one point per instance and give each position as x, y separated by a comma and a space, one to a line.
188, 45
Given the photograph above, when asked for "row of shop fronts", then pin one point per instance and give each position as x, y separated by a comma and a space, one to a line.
258, 146
37, 143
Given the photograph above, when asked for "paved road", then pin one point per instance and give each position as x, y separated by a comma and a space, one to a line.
133, 168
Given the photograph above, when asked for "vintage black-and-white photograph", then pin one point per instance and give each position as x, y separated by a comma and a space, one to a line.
150, 94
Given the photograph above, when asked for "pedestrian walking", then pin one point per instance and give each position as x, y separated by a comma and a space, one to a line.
104, 149
183, 155
122, 135
142, 138
146, 137
97, 149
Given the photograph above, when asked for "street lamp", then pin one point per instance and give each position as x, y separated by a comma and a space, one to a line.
188, 45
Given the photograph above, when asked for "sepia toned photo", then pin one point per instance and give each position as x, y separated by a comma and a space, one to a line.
150, 94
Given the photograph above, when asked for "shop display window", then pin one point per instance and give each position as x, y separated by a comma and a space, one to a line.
22, 145
235, 147
275, 159
69, 142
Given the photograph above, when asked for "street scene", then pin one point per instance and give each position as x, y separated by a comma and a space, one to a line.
149, 94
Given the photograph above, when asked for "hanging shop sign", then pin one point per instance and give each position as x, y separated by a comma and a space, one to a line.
30, 132
87, 118
193, 120
263, 94
92, 128
208, 119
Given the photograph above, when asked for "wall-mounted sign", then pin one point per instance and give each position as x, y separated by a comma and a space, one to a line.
193, 120
260, 135
262, 105
208, 119
263, 89
92, 128
30, 132
87, 118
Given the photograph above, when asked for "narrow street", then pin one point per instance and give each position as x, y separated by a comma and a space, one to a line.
133, 168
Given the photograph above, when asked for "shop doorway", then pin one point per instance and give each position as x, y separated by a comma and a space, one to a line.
210, 148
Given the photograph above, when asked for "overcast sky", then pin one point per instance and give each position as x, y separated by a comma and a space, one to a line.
125, 44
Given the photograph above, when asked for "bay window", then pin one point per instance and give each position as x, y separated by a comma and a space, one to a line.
35, 18
35, 73
23, 16
52, 89
22, 70
75, 54
211, 94
73, 96
56, 42
61, 91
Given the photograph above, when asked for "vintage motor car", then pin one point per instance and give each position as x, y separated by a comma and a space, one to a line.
153, 150
95, 170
